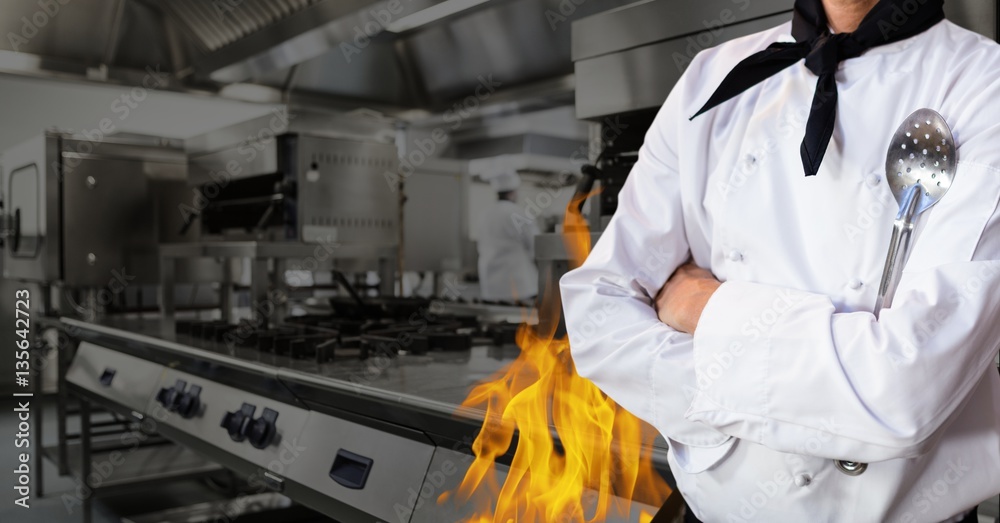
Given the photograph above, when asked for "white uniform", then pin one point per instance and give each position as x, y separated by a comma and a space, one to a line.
507, 269
789, 369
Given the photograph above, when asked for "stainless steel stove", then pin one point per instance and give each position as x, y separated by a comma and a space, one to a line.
349, 413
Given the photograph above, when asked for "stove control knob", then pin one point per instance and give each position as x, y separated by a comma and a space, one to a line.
189, 402
168, 397
236, 423
263, 430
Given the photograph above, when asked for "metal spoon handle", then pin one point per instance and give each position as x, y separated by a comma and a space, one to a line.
899, 249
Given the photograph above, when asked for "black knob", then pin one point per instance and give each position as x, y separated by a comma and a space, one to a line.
262, 430
189, 402
169, 397
236, 423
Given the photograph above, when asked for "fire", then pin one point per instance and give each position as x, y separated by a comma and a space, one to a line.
601, 456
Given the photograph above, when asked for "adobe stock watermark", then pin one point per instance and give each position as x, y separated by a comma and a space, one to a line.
651, 269
562, 12
31, 25
901, 15
264, 310
755, 328
117, 283
536, 206
102, 470
254, 144
708, 38
868, 216
774, 484
379, 361
290, 451
436, 480
932, 492
376, 21
941, 315
224, 8
791, 123
122, 106
427, 147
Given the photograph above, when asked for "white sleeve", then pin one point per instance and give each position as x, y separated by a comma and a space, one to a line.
780, 367
616, 339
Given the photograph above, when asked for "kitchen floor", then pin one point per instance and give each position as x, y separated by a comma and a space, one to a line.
52, 508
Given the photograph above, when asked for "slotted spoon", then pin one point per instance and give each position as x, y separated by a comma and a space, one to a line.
920, 168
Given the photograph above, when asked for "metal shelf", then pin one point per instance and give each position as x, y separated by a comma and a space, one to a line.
137, 468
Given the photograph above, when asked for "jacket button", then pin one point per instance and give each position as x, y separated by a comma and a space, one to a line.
874, 179
735, 256
855, 284
851, 468
803, 480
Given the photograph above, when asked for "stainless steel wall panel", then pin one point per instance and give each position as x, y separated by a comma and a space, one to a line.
977, 15
649, 22
641, 78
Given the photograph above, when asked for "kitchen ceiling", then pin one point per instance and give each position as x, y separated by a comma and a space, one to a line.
388, 55
391, 55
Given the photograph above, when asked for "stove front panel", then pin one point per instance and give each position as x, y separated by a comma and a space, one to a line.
218, 403
123, 379
378, 471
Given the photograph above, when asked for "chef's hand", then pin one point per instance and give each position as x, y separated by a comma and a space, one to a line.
682, 299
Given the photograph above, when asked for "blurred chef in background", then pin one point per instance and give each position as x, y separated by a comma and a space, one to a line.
507, 269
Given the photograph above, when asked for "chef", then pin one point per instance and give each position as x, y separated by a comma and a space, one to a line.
760, 192
507, 270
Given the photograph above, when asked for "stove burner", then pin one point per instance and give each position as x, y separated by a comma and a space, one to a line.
294, 341
398, 326
501, 333
378, 308
416, 339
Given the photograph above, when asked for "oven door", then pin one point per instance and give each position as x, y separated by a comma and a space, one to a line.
30, 188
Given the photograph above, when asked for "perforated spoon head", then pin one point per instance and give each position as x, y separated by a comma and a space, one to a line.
922, 152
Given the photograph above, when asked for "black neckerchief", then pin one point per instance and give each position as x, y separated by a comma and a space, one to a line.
889, 21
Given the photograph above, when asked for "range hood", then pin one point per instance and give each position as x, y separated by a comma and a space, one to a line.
389, 55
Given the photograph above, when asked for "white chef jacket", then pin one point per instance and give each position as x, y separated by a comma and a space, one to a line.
507, 270
789, 369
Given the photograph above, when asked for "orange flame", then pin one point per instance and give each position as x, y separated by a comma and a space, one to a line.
579, 457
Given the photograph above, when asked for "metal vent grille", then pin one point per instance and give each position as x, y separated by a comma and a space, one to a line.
352, 222
219, 23
351, 159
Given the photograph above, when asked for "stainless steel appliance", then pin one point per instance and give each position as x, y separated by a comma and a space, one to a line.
629, 59
80, 210
289, 192
281, 182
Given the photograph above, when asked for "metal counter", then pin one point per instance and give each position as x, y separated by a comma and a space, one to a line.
350, 438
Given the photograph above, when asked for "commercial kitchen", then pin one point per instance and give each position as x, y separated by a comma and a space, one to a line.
244, 254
